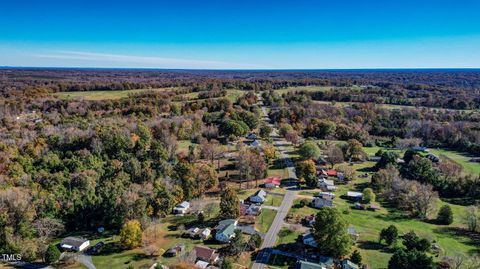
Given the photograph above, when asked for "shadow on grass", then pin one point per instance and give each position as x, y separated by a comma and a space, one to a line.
360, 186
393, 215
463, 201
367, 169
279, 164
371, 245
280, 260
110, 248
471, 238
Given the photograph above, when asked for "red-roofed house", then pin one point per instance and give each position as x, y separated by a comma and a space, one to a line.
272, 182
332, 173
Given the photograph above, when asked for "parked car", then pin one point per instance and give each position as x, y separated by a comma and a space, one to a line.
97, 247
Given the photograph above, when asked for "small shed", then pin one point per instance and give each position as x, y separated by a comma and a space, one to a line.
181, 208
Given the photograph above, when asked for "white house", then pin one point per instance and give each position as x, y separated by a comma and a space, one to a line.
205, 234
201, 264
353, 195
326, 195
319, 202
326, 184
74, 243
181, 208
309, 240
259, 197
347, 264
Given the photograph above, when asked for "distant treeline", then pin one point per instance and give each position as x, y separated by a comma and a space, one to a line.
410, 95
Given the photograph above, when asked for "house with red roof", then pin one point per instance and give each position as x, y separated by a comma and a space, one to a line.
331, 172
272, 182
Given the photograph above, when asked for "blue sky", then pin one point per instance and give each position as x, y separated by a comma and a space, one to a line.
242, 34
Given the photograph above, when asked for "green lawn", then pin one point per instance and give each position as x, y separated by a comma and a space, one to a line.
287, 236
243, 194
265, 219
274, 200
103, 95
461, 158
280, 261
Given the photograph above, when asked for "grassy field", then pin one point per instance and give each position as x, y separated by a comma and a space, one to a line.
274, 200
287, 236
103, 95
232, 95
264, 220
461, 158
386, 106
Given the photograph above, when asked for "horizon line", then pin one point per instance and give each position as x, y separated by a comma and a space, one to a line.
238, 69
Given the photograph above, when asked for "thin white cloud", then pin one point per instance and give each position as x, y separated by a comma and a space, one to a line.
120, 60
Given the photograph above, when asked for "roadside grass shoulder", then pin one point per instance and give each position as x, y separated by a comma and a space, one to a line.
274, 200
265, 219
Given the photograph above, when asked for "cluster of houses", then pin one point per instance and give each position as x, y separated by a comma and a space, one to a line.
327, 185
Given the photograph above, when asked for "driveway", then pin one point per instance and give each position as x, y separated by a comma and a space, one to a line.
82, 258
272, 234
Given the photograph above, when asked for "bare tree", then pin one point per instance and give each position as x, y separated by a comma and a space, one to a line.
251, 165
334, 155
292, 136
48, 227
424, 199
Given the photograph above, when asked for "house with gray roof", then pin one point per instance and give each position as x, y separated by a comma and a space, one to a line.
226, 230
74, 243
259, 197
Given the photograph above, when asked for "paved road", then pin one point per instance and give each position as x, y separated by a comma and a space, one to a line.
86, 260
272, 234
